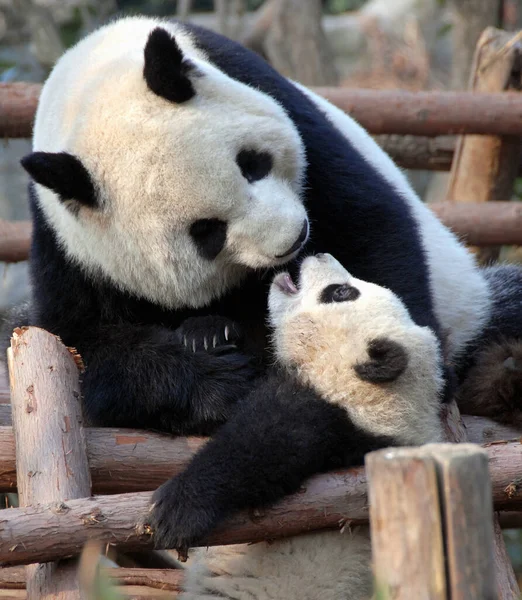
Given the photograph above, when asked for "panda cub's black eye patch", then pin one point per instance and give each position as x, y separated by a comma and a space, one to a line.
210, 236
339, 292
254, 165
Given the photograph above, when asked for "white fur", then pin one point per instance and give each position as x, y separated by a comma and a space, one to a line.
322, 565
159, 166
321, 343
460, 294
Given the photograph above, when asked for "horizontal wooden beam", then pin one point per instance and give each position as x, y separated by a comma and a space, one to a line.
48, 532
127, 460
13, 578
378, 111
430, 113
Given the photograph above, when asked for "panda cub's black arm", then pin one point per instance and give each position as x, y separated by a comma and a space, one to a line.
281, 435
160, 379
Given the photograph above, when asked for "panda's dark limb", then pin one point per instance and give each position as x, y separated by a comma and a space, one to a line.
142, 376
282, 434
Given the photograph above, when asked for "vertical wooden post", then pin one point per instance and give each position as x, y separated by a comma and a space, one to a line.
484, 168
507, 585
406, 525
427, 504
465, 491
51, 457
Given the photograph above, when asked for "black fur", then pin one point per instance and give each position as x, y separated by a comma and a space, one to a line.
254, 165
281, 435
138, 373
505, 320
165, 70
388, 360
337, 292
210, 236
64, 174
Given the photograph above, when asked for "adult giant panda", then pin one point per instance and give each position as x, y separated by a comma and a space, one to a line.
356, 373
173, 170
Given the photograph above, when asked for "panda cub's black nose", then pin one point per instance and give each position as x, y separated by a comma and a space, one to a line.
303, 235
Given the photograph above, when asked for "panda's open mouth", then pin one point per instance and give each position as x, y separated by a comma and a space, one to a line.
285, 283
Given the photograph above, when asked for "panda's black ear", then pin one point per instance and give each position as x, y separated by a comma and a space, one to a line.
62, 173
388, 360
165, 70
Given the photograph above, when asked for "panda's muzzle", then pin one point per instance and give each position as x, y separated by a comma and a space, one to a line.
299, 243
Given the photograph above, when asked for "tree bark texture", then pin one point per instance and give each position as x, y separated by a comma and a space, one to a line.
381, 112
51, 456
47, 532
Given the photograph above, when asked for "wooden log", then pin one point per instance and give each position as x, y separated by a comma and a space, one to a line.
13, 578
128, 460
379, 111
482, 224
507, 586
406, 525
17, 108
484, 168
429, 113
51, 456
465, 493
15, 240
47, 532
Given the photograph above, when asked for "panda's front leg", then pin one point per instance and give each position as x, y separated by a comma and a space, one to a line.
156, 378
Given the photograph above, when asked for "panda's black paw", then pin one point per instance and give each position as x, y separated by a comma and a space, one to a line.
178, 516
209, 334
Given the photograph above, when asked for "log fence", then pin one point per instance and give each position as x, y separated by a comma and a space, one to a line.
436, 512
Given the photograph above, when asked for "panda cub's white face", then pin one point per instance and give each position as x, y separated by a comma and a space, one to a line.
195, 177
356, 344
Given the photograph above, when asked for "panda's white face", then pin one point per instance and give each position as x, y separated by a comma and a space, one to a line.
356, 343
189, 193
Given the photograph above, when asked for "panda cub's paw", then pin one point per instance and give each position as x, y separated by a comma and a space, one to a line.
209, 334
178, 516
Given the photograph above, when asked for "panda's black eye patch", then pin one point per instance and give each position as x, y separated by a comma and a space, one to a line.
339, 292
254, 165
210, 236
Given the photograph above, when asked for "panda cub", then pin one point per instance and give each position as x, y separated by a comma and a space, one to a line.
355, 374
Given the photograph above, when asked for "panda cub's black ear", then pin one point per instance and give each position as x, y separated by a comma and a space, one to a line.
62, 173
165, 70
388, 360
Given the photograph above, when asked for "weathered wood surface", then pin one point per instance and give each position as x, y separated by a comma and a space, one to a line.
15, 240
51, 456
378, 111
432, 522
46, 532
17, 108
406, 525
507, 585
484, 168
163, 579
465, 492
61, 529
128, 460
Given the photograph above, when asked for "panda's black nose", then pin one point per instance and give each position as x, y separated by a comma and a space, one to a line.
303, 236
